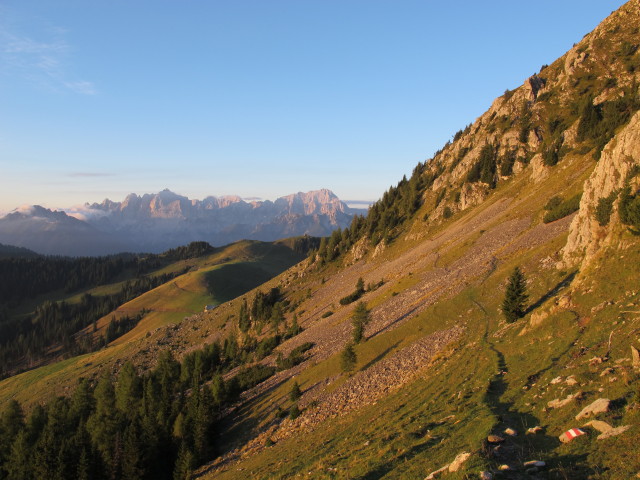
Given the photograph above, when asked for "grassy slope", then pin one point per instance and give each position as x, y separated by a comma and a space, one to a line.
167, 304
492, 378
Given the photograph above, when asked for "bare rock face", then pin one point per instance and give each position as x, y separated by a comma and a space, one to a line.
538, 171
586, 235
533, 85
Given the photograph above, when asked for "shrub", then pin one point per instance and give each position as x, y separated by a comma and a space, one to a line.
604, 208
357, 293
630, 210
447, 213
326, 314
506, 165
485, 168
551, 154
565, 208
553, 202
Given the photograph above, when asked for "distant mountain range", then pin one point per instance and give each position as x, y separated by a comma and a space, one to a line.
157, 222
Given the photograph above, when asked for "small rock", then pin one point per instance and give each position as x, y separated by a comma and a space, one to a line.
607, 371
571, 380
613, 432
596, 361
599, 406
458, 461
504, 468
599, 425
495, 439
556, 380
535, 463
438, 473
486, 476
635, 358
511, 431
534, 430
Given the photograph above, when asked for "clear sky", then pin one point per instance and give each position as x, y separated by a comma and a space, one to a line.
259, 98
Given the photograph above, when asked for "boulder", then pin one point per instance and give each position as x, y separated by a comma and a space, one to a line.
599, 406
458, 461
599, 425
495, 439
613, 432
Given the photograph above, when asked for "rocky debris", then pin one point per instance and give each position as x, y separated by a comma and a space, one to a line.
613, 432
557, 403
599, 406
570, 434
564, 302
599, 425
635, 358
495, 439
459, 461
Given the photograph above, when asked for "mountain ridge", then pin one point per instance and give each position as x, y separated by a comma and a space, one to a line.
157, 222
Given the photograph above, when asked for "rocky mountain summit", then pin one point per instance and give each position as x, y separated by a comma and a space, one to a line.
156, 222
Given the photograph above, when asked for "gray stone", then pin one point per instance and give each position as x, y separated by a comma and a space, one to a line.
613, 432
599, 406
458, 461
599, 425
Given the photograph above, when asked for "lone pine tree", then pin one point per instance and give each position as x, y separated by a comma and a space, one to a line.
515, 298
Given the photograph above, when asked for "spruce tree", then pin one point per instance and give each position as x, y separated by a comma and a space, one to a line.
295, 393
359, 319
348, 358
515, 298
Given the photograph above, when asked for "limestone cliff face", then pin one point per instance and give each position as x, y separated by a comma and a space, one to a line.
541, 115
586, 235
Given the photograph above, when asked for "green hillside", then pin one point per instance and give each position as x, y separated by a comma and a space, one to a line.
391, 351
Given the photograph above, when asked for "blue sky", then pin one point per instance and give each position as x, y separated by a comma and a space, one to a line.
259, 98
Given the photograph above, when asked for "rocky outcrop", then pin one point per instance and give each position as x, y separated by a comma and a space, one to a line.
586, 235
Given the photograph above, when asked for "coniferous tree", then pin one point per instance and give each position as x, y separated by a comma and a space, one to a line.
348, 358
515, 299
359, 319
184, 464
295, 393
